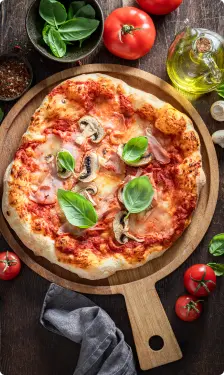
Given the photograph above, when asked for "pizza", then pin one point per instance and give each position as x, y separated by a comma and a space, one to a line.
93, 118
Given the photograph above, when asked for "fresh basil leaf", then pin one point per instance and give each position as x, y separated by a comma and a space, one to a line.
216, 246
78, 28
87, 12
77, 209
218, 268
52, 12
45, 32
220, 90
134, 149
74, 7
56, 44
65, 160
1, 114
138, 194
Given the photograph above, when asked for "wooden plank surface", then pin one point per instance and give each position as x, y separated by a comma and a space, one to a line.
145, 313
26, 348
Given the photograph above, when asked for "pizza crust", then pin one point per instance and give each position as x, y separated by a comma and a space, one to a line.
44, 246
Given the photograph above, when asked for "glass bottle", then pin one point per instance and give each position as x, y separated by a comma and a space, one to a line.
195, 61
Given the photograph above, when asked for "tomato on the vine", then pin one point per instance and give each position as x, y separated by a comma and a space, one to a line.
188, 308
159, 7
200, 280
129, 33
10, 265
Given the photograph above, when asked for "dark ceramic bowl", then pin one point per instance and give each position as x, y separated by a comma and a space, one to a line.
18, 56
34, 27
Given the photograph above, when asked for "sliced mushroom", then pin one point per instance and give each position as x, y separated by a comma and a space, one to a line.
87, 195
132, 237
118, 227
120, 194
121, 229
90, 167
61, 172
86, 191
92, 189
145, 159
91, 128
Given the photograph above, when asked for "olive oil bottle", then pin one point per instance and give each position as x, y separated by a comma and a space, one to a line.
195, 62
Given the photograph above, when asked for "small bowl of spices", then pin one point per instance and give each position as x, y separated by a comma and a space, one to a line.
16, 76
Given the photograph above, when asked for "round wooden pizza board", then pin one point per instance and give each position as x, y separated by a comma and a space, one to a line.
145, 310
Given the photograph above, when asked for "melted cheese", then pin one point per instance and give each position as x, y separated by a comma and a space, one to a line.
158, 220
107, 186
137, 128
51, 145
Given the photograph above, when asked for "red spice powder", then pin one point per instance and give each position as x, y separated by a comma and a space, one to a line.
14, 78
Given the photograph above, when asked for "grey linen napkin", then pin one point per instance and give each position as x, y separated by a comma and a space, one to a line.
103, 349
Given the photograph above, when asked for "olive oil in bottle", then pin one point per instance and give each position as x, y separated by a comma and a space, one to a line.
195, 62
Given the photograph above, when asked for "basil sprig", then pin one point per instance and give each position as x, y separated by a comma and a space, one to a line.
138, 194
77, 209
62, 28
216, 246
65, 161
218, 268
134, 149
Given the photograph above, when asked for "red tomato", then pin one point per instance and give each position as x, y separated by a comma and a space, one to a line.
188, 308
200, 280
129, 33
159, 6
10, 265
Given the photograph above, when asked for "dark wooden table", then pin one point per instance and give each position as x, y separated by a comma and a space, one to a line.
27, 348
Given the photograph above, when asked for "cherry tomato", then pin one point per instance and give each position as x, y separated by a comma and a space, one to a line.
129, 33
200, 280
159, 6
10, 265
188, 308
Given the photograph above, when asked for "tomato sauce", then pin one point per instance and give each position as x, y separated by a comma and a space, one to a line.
125, 106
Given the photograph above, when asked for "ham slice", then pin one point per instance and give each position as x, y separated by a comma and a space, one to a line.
112, 162
160, 154
44, 195
46, 192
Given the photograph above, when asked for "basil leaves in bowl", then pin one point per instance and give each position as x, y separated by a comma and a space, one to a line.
65, 31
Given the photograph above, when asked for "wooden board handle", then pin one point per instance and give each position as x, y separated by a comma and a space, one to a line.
149, 319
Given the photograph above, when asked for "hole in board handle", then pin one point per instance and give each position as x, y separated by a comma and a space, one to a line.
156, 343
